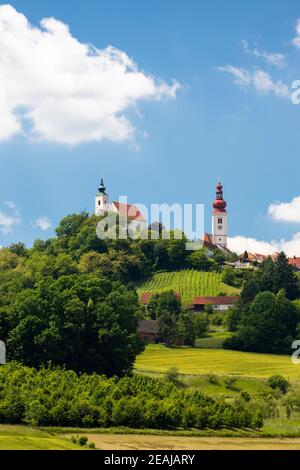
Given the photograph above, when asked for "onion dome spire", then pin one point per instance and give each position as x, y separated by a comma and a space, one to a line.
219, 203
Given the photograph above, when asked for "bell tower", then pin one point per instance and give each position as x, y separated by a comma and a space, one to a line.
219, 218
101, 200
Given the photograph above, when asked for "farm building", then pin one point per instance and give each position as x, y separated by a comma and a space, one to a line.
147, 330
220, 303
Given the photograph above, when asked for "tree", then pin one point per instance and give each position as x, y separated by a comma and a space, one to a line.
228, 276
285, 278
201, 323
80, 321
164, 302
161, 255
199, 260
167, 328
268, 325
250, 290
18, 249
186, 329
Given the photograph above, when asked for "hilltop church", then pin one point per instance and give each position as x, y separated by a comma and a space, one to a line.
218, 237
130, 211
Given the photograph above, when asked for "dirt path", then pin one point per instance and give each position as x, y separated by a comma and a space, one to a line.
145, 442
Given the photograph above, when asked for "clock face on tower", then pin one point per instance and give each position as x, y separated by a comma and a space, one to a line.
220, 227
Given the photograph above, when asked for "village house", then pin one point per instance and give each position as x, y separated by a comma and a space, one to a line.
219, 303
147, 330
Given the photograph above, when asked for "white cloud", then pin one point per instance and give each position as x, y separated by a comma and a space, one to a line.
240, 243
7, 221
44, 223
273, 58
68, 91
296, 40
260, 80
286, 211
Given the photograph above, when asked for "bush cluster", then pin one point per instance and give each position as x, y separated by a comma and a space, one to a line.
57, 397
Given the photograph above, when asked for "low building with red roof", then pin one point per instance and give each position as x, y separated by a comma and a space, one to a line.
218, 303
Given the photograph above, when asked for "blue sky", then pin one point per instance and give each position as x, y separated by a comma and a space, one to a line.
232, 116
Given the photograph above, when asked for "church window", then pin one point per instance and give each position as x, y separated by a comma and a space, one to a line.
220, 220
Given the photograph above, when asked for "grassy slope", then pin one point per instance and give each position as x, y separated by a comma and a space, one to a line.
158, 358
189, 283
26, 438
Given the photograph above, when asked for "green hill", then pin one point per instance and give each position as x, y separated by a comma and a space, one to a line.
189, 283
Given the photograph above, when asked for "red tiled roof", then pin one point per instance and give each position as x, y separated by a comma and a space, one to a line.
129, 210
256, 257
145, 297
295, 261
208, 238
221, 300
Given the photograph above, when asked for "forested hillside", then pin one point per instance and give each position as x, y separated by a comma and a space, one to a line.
71, 300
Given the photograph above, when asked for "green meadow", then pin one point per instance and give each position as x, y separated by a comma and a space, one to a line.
189, 283
198, 361
27, 438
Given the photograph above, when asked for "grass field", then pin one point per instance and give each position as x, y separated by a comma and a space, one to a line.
26, 438
214, 340
146, 442
189, 283
159, 358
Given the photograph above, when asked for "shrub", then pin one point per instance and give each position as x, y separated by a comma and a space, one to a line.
245, 396
172, 375
213, 379
278, 382
82, 441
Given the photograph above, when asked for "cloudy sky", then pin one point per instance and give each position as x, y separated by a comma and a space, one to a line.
160, 99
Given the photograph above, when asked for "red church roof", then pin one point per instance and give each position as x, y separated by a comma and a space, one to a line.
129, 210
219, 205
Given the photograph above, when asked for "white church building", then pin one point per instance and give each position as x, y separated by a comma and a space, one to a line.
130, 211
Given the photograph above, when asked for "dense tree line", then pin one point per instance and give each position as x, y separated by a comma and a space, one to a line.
71, 299
68, 300
61, 398
266, 318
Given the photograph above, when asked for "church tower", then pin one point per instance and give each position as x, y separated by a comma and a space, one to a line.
219, 218
101, 200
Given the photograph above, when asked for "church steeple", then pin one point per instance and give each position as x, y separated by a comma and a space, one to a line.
219, 204
101, 200
219, 218
102, 188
